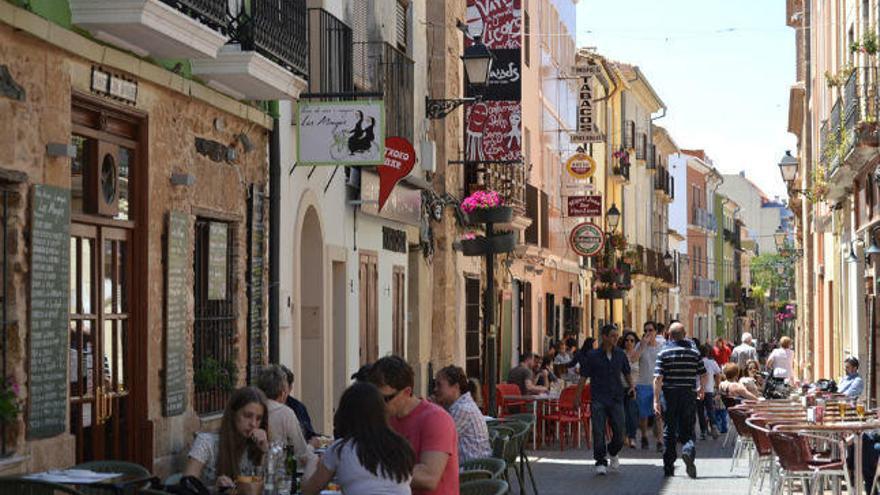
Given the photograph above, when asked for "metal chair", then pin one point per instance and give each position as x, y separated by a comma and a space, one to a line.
484, 487
744, 444
796, 463
728, 402
522, 431
21, 486
491, 464
136, 471
507, 448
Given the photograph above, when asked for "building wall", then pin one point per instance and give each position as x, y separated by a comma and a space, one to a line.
41, 59
762, 221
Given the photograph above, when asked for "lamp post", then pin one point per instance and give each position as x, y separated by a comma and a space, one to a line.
612, 220
477, 60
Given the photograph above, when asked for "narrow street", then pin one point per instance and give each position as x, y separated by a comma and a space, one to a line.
641, 473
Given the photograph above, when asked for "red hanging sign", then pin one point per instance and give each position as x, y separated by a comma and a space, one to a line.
400, 157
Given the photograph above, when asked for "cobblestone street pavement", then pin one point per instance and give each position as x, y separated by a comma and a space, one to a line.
641, 473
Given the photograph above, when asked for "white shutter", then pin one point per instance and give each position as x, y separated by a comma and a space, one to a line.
359, 37
401, 24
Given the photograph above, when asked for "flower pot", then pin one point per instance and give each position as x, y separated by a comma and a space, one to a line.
610, 293
496, 214
480, 246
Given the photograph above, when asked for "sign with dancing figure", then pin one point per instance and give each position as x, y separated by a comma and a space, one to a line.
350, 133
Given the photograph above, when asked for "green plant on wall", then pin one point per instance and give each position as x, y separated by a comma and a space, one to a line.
868, 43
214, 374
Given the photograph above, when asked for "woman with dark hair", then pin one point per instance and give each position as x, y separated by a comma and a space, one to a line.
628, 342
545, 373
368, 457
219, 458
453, 391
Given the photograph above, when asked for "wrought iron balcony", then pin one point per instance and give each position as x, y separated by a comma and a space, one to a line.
508, 180
702, 287
380, 67
211, 13
701, 218
331, 58
276, 30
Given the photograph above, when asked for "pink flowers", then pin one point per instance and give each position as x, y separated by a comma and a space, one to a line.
469, 236
481, 200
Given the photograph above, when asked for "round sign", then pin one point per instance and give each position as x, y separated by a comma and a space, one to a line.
581, 166
587, 239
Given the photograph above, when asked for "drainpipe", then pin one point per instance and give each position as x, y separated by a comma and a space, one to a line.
274, 234
808, 184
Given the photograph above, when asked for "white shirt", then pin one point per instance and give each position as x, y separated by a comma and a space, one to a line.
781, 361
712, 369
341, 458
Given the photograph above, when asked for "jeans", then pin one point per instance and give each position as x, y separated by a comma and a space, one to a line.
706, 412
631, 410
678, 424
721, 419
870, 454
602, 414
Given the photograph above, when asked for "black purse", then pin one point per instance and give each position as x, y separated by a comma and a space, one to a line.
188, 485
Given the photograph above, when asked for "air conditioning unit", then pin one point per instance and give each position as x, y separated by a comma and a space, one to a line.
428, 155
101, 181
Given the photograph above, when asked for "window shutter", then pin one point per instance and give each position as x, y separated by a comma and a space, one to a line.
545, 224
359, 36
532, 213
401, 25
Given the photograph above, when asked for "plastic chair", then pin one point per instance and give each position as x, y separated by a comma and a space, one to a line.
521, 434
728, 402
508, 450
565, 414
744, 443
504, 390
491, 464
765, 460
796, 463
587, 414
21, 486
484, 487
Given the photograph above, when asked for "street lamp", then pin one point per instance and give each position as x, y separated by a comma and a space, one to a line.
477, 60
851, 257
612, 217
780, 269
788, 167
780, 237
667, 259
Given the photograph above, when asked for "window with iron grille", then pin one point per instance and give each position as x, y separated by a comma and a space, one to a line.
532, 213
401, 23
331, 46
215, 358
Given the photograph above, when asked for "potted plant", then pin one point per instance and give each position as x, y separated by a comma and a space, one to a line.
478, 245
486, 206
866, 132
10, 401
214, 374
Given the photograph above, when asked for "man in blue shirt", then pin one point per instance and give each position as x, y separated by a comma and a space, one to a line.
851, 384
302, 414
678, 366
606, 367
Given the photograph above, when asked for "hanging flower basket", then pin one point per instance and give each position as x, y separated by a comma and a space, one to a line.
495, 214
866, 134
610, 293
496, 244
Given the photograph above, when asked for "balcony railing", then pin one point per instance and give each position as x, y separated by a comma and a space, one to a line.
378, 66
652, 264
851, 111
733, 293
653, 159
277, 31
621, 170
212, 13
331, 50
702, 287
508, 180
831, 155
703, 219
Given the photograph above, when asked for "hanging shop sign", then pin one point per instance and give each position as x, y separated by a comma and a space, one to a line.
586, 128
584, 206
580, 166
400, 157
348, 133
587, 239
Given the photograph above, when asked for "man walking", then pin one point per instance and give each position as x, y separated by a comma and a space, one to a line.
744, 352
607, 368
648, 348
678, 366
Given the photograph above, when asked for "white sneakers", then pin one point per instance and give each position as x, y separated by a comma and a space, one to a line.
614, 463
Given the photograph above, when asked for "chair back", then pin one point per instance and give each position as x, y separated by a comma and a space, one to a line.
789, 449
738, 417
508, 389
484, 487
728, 401
586, 395
34, 487
502, 441
567, 398
760, 435
491, 464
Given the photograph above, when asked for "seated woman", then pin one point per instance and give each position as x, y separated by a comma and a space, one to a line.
731, 385
545, 375
219, 458
453, 392
368, 457
752, 378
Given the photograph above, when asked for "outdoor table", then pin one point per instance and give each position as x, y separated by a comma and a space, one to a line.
836, 429
535, 400
116, 483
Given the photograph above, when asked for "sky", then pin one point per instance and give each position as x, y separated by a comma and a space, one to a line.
722, 68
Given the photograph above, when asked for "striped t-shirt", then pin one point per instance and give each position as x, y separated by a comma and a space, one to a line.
679, 363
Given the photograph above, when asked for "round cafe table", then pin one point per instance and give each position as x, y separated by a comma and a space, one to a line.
840, 429
538, 403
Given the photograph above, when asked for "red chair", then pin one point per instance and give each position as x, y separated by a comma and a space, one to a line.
565, 413
505, 390
587, 414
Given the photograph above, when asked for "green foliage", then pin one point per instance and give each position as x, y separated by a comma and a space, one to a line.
214, 374
765, 274
9, 401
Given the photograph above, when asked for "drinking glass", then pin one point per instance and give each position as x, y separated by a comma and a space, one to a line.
841, 409
860, 410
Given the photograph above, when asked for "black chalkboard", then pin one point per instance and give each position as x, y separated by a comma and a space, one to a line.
50, 293
176, 288
218, 235
256, 239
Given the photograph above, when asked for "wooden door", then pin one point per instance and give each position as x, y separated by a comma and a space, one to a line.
473, 344
99, 334
398, 312
368, 282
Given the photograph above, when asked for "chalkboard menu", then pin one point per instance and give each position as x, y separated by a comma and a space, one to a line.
256, 236
176, 289
217, 247
50, 293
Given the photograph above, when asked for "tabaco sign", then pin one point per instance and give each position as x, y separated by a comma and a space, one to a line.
584, 206
587, 239
580, 166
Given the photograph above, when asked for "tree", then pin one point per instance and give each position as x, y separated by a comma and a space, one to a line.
766, 276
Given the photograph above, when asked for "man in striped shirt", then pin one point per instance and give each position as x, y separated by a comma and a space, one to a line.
678, 366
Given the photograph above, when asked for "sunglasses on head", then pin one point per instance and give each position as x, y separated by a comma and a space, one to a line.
389, 398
